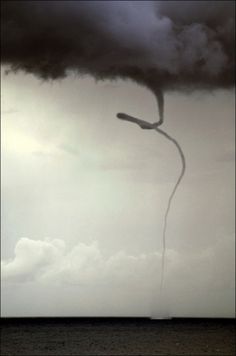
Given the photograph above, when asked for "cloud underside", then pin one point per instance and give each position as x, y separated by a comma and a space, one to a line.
158, 44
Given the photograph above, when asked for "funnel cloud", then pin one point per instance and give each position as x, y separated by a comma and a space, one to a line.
146, 125
183, 161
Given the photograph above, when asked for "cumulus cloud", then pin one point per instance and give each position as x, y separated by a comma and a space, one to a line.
197, 284
49, 261
31, 259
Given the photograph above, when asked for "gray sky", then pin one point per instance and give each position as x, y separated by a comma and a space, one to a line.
84, 196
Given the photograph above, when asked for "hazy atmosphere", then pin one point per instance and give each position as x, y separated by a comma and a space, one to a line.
84, 194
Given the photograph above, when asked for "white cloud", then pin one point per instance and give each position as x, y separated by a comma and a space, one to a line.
196, 284
31, 259
48, 261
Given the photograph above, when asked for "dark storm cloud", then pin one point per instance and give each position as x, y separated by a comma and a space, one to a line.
164, 45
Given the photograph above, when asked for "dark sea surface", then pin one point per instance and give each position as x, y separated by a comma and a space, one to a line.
117, 336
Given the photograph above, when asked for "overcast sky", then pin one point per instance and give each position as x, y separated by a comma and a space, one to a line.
84, 196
